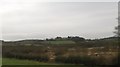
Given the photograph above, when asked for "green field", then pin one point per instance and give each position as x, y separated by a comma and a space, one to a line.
0, 61
8, 61
59, 42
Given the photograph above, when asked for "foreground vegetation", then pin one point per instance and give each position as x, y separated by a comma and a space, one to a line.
71, 50
12, 61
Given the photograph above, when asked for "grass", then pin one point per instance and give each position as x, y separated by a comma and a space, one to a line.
43, 66
9, 61
0, 61
60, 42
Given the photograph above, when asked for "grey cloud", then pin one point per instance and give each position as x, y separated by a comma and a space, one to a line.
41, 20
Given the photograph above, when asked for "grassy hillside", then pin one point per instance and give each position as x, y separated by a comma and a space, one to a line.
67, 51
59, 42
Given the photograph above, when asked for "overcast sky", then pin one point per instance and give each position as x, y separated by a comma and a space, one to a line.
37, 20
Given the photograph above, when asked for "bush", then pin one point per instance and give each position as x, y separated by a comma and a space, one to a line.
75, 60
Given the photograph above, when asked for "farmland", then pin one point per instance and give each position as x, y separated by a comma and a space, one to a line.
12, 61
59, 42
73, 51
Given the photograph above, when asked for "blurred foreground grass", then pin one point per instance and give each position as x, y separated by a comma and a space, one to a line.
9, 61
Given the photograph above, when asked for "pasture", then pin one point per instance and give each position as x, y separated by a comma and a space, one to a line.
59, 42
12, 61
